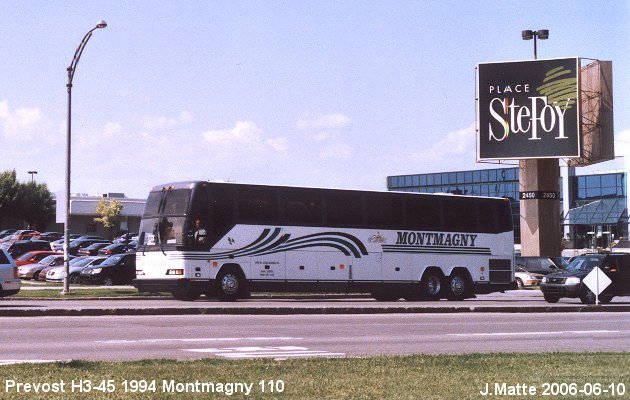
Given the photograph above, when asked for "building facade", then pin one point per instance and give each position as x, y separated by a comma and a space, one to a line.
593, 207
83, 212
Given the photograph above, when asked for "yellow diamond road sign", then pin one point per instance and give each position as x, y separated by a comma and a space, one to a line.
591, 281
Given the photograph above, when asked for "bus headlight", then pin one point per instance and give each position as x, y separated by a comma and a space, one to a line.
175, 272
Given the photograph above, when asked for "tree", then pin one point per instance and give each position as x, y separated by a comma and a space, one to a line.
9, 203
110, 212
22, 204
37, 206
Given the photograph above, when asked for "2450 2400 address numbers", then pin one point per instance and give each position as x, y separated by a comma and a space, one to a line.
539, 195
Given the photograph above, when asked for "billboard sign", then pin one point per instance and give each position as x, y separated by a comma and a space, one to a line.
528, 109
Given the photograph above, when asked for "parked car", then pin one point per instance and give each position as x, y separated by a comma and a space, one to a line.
7, 233
126, 237
116, 248
33, 257
18, 248
80, 243
31, 271
540, 265
9, 282
525, 278
569, 282
77, 265
92, 249
48, 236
82, 237
24, 234
117, 269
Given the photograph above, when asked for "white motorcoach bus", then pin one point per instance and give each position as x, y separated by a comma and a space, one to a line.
226, 240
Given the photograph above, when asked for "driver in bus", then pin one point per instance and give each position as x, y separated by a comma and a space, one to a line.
200, 233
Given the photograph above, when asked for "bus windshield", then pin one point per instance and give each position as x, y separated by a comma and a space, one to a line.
164, 217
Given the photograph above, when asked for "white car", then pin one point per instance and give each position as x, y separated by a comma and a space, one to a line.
526, 278
76, 266
9, 282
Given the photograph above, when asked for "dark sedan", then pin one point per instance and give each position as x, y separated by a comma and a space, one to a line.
117, 269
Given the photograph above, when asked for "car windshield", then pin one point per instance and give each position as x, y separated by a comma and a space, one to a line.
560, 262
25, 257
48, 260
585, 263
113, 260
80, 262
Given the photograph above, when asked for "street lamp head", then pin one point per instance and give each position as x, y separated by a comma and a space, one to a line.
527, 35
101, 24
543, 34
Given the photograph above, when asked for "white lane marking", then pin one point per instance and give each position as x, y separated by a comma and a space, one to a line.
178, 340
266, 352
10, 362
532, 333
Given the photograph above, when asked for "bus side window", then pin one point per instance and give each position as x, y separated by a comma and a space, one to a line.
343, 208
423, 213
301, 207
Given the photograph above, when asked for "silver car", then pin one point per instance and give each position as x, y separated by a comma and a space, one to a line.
31, 271
76, 266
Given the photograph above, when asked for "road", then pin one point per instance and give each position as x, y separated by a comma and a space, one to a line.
285, 336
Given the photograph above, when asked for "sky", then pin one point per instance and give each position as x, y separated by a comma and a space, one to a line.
307, 93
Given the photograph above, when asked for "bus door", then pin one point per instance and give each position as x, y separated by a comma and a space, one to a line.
333, 266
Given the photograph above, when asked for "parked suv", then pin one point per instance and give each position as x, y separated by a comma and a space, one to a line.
541, 265
9, 281
568, 283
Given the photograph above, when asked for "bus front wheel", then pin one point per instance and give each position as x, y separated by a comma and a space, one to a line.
431, 285
229, 284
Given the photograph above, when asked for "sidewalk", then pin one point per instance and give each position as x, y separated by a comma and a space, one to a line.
264, 304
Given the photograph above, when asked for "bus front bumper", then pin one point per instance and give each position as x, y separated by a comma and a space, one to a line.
169, 285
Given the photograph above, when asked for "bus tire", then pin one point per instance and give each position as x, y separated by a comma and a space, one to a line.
431, 284
229, 284
458, 286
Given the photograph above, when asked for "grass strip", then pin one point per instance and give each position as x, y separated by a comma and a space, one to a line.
399, 377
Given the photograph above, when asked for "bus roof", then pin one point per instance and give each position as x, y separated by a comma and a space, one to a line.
192, 184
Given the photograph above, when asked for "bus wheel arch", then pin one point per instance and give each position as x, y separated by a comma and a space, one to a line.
432, 283
230, 283
459, 284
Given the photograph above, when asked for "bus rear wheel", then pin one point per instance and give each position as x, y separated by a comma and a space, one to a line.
229, 285
458, 287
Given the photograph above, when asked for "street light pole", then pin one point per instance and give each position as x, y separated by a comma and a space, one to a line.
66, 231
542, 34
32, 173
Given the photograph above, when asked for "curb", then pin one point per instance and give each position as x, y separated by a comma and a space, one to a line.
76, 312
